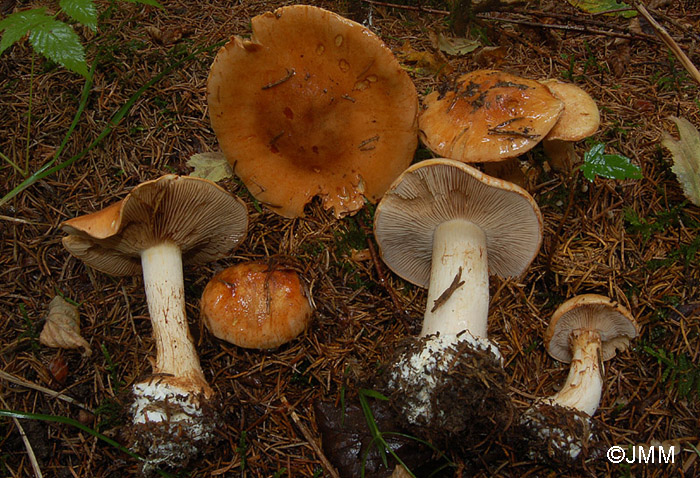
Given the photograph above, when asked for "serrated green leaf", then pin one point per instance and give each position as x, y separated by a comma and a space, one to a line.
82, 11
58, 42
603, 6
19, 24
152, 3
686, 157
611, 166
211, 166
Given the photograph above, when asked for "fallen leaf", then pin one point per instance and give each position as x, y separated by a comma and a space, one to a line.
602, 6
686, 157
457, 46
426, 62
490, 56
62, 328
211, 166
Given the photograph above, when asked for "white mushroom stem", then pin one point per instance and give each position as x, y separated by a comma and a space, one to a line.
458, 294
176, 356
584, 384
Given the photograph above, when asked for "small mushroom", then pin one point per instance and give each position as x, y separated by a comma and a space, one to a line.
579, 120
487, 115
312, 104
584, 331
445, 226
256, 305
159, 225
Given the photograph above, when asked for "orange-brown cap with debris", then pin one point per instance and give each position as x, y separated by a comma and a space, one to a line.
488, 115
311, 105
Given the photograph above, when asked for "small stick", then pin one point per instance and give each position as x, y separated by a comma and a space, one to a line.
456, 284
310, 439
290, 73
48, 391
27, 444
670, 42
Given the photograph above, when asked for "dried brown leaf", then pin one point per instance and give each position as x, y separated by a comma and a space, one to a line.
62, 328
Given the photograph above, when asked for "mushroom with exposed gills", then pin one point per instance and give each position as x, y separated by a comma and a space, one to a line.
584, 331
312, 104
256, 305
446, 226
159, 225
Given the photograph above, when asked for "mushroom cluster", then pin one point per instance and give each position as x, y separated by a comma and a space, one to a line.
492, 117
154, 230
445, 226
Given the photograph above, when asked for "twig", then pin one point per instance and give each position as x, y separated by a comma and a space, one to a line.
39, 388
444, 297
670, 42
576, 28
27, 444
310, 439
408, 7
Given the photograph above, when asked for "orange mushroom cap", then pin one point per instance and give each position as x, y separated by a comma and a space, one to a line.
311, 105
256, 305
488, 115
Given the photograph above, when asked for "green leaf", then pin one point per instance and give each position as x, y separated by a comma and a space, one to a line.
602, 6
19, 24
611, 166
211, 166
82, 11
686, 157
152, 3
58, 42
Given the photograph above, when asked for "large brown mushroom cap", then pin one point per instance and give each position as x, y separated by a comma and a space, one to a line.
488, 115
438, 190
609, 318
203, 219
311, 105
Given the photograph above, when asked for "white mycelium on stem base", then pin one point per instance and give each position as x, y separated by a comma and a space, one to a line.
445, 226
159, 225
584, 331
172, 398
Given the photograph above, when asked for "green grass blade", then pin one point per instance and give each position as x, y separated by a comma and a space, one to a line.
47, 169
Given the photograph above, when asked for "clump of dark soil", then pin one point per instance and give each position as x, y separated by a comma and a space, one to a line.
454, 395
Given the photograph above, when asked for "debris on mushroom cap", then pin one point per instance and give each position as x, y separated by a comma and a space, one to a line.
256, 305
614, 323
437, 190
204, 220
580, 118
313, 104
487, 115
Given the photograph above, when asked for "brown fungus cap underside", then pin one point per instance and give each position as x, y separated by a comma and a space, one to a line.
614, 323
487, 115
580, 118
438, 190
311, 105
204, 220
